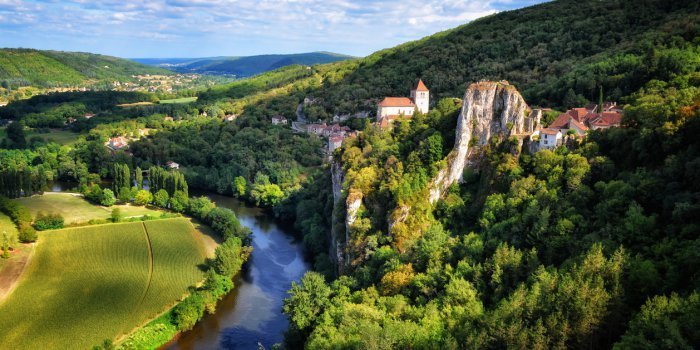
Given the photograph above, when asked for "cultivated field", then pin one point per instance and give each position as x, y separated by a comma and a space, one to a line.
179, 100
76, 209
87, 284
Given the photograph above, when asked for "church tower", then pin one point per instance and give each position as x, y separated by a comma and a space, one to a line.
421, 97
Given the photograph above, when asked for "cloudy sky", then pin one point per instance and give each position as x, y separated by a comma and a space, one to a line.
198, 28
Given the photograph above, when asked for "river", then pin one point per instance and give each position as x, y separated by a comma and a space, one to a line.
252, 313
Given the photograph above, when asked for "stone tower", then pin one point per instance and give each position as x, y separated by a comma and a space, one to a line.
421, 97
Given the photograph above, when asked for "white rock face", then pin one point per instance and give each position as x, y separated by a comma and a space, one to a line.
489, 109
336, 249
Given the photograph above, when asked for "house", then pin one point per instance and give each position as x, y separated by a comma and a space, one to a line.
581, 120
3, 104
316, 128
279, 120
172, 165
335, 142
392, 108
606, 120
88, 115
168, 118
230, 117
117, 143
550, 138
335, 129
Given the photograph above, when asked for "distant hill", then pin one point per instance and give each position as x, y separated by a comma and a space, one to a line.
29, 67
241, 66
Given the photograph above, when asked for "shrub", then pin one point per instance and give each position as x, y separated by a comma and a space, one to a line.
179, 201
116, 215
143, 197
188, 312
107, 198
27, 234
48, 221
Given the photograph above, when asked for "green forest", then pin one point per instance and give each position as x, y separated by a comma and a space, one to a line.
591, 245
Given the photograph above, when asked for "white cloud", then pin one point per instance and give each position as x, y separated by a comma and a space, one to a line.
233, 27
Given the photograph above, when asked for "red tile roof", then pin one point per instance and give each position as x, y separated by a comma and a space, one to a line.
421, 86
397, 102
549, 131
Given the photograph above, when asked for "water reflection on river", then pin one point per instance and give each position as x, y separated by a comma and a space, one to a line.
253, 312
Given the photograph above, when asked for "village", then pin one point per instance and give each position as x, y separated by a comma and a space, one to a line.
571, 125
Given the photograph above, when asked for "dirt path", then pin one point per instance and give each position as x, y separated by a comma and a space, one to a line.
150, 261
11, 273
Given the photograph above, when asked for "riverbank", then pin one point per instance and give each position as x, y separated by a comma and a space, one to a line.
251, 314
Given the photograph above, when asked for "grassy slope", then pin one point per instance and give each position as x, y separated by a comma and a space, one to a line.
58, 68
91, 281
75, 209
6, 225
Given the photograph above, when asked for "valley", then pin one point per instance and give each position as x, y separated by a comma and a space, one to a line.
525, 180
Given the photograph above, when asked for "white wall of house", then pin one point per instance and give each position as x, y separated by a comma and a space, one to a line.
384, 111
550, 141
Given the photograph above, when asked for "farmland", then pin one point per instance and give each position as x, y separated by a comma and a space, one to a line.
179, 100
99, 282
75, 209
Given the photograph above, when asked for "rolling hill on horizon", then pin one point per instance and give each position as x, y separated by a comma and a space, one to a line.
49, 68
241, 66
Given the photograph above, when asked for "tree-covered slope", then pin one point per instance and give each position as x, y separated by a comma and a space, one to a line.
25, 67
555, 53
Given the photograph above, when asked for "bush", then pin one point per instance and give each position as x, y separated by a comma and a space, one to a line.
143, 197
116, 215
188, 312
27, 234
48, 221
108, 198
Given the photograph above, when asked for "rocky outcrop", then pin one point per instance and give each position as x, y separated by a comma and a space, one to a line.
336, 248
489, 109
344, 210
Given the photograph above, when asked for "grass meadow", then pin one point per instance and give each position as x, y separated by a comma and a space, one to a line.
179, 100
75, 209
99, 282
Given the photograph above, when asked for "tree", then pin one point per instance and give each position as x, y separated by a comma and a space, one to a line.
15, 133
179, 201
125, 194
143, 197
239, 186
108, 198
307, 301
161, 198
229, 257
139, 178
116, 215
188, 312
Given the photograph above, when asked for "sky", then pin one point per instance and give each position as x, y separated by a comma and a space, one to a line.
202, 28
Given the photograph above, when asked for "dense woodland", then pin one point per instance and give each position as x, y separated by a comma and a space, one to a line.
593, 245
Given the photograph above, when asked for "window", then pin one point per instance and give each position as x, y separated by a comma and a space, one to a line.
545, 142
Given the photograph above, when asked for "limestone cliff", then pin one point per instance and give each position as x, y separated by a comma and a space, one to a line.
344, 215
490, 109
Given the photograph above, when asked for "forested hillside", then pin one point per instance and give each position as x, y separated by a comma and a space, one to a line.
592, 245
27, 67
557, 54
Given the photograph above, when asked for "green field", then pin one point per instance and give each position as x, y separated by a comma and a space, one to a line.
75, 209
179, 100
6, 225
61, 137
92, 283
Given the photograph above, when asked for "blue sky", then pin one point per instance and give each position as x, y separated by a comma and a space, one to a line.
199, 28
